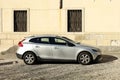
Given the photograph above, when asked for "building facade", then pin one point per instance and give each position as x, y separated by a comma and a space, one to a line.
94, 22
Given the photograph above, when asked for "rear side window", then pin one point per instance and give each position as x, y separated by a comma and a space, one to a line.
43, 40
35, 40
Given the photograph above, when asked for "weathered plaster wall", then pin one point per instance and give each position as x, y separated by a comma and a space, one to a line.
101, 20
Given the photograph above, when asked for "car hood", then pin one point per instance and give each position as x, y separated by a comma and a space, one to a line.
86, 46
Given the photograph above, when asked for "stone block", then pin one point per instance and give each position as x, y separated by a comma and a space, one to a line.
79, 37
15, 42
115, 42
103, 42
111, 36
16, 36
3, 36
7, 42
89, 42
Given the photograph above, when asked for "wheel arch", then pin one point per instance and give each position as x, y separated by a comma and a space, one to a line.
31, 52
83, 52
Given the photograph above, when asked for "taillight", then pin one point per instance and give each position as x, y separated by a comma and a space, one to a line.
20, 44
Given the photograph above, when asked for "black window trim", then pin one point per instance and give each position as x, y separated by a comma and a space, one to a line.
52, 42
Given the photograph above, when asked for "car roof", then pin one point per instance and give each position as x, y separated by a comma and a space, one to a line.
34, 36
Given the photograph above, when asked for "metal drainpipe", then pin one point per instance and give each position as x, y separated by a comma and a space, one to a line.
60, 8
1, 19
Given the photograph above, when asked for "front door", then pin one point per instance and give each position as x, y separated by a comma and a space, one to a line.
61, 50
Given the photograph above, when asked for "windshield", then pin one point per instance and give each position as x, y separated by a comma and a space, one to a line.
69, 39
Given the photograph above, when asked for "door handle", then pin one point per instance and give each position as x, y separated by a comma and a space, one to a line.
37, 46
56, 48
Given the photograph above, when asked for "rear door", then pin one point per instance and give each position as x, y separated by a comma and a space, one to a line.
42, 47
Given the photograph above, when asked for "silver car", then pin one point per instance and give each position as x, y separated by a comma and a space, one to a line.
38, 48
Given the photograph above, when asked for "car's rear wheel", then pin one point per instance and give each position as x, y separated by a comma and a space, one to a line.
84, 58
29, 58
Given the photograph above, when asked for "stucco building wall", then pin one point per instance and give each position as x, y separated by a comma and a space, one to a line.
100, 20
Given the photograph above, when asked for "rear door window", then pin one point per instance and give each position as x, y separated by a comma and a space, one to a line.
44, 40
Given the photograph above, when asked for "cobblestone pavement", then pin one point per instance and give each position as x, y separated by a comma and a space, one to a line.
107, 69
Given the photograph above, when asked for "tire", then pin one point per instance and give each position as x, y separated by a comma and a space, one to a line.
29, 58
84, 58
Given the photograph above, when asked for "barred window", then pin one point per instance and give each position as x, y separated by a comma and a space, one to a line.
74, 20
20, 20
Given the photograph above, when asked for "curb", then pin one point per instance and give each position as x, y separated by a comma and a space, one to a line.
8, 62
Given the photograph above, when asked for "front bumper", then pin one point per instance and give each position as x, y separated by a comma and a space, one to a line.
98, 58
19, 56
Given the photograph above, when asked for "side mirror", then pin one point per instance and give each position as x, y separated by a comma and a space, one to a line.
70, 44
78, 42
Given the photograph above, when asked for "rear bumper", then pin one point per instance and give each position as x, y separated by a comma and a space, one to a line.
19, 56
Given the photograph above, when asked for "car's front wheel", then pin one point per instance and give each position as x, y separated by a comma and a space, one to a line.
84, 58
29, 58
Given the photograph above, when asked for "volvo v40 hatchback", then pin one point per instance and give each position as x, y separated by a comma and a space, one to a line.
38, 48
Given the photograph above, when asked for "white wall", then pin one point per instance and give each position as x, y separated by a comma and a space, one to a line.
46, 17
100, 15
7, 20
0, 19
44, 21
33, 4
